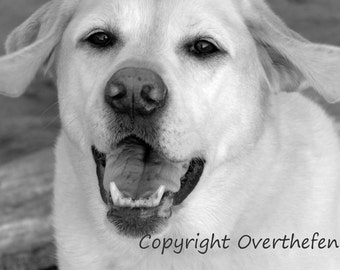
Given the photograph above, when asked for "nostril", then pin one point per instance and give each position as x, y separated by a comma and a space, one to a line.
135, 91
152, 94
116, 91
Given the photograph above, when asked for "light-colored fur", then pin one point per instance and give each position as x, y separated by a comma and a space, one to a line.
272, 157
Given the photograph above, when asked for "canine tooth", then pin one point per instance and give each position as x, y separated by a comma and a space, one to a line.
115, 191
120, 201
115, 201
116, 195
154, 203
157, 196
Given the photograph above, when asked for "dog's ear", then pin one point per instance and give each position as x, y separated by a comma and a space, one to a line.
295, 63
31, 44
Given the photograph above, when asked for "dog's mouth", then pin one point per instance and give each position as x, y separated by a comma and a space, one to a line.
140, 186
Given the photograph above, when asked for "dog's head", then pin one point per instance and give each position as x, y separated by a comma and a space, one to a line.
164, 93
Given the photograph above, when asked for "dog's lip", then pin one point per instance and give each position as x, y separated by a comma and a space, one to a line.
188, 181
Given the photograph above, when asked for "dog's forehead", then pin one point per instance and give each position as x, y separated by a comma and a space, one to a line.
132, 14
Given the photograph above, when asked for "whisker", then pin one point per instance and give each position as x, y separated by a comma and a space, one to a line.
49, 108
51, 122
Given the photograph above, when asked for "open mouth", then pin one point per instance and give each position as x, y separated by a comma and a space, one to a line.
140, 186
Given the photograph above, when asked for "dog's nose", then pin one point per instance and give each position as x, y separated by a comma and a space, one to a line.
135, 91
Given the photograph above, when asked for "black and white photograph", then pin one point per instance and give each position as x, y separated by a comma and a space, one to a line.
169, 134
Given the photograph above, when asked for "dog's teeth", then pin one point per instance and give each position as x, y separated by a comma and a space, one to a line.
129, 202
149, 203
118, 198
114, 201
137, 203
116, 195
157, 196
123, 202
120, 201
155, 203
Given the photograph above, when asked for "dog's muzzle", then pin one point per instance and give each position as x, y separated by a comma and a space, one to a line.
137, 182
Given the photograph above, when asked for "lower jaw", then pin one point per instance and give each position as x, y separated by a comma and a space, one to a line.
129, 223
140, 221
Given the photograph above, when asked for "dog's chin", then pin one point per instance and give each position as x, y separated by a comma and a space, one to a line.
140, 186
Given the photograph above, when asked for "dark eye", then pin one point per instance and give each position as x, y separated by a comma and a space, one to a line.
101, 39
203, 48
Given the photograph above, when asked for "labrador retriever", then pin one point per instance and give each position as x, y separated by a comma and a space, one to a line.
185, 141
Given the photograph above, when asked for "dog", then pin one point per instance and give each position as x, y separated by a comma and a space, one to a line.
186, 142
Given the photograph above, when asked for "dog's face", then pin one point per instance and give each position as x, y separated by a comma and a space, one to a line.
162, 95
150, 83
204, 59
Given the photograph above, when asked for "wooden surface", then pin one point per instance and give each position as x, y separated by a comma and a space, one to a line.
26, 237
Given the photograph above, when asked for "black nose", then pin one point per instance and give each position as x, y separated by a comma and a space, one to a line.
135, 91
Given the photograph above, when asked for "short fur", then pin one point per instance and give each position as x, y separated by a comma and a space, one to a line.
272, 157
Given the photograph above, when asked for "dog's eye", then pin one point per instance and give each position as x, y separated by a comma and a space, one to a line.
100, 39
203, 48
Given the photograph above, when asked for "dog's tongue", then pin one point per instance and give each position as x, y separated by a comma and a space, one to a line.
138, 171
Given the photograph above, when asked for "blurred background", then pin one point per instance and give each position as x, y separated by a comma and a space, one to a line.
29, 126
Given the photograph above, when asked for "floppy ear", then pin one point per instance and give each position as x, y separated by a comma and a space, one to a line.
31, 44
295, 62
